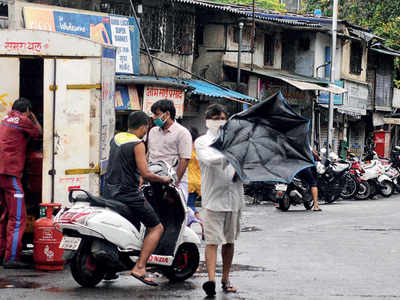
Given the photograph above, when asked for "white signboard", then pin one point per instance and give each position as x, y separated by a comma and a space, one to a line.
356, 98
122, 40
153, 94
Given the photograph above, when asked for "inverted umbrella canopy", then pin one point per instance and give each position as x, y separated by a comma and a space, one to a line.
267, 142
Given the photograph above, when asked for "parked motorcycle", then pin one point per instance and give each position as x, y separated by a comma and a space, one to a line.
363, 188
265, 191
332, 177
102, 235
297, 193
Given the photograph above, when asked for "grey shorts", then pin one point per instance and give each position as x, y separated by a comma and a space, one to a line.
220, 227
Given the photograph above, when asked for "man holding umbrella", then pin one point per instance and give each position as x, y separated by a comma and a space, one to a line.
222, 201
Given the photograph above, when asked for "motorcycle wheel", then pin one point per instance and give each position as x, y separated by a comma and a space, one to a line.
364, 191
386, 188
350, 187
284, 203
84, 267
186, 262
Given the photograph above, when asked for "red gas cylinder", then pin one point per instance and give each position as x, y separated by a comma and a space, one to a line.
46, 252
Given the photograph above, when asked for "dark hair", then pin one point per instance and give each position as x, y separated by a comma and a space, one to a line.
137, 119
22, 105
194, 132
215, 110
164, 105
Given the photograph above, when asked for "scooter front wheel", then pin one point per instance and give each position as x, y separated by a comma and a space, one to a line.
386, 188
186, 262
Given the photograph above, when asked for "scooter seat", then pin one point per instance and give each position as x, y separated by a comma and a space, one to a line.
369, 166
98, 201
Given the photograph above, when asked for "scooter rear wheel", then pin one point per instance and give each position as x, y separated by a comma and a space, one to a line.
364, 190
186, 262
84, 268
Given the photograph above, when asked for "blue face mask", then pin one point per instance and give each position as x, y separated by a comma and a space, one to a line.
160, 122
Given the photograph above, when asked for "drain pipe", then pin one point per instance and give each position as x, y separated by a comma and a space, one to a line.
241, 24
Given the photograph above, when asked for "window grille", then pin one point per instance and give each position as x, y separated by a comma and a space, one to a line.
269, 50
356, 52
168, 30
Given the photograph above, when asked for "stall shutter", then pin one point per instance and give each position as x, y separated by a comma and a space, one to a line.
324, 138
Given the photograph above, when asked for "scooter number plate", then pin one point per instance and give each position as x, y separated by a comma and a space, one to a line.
281, 187
70, 243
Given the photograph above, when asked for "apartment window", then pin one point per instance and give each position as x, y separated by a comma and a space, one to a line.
168, 30
356, 52
269, 48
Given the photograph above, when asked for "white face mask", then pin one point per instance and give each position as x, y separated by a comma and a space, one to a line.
214, 125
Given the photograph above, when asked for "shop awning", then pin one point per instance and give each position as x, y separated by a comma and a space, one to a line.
303, 83
197, 87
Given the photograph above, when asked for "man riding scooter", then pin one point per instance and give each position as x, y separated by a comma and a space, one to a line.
127, 163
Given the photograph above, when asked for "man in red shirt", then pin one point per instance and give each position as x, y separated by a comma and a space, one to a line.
15, 131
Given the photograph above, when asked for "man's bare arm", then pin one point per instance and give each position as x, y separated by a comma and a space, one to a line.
183, 163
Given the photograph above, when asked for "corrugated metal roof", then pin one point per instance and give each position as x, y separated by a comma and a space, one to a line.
261, 14
385, 50
299, 81
205, 88
200, 87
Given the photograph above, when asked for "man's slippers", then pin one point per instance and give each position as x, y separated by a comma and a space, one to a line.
209, 288
144, 279
227, 287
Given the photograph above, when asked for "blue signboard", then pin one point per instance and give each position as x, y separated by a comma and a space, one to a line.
120, 31
324, 96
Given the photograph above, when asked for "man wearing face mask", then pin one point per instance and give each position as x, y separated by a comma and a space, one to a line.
168, 141
222, 201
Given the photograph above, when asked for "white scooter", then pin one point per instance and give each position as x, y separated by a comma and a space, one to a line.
376, 175
101, 236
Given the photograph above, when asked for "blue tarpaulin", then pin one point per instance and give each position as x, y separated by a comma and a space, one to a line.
202, 87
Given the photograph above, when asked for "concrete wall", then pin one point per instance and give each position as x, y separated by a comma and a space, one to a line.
183, 61
321, 42
346, 63
209, 64
258, 57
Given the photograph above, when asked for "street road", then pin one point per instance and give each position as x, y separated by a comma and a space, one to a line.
350, 250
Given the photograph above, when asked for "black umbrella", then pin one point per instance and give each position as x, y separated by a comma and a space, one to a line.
267, 142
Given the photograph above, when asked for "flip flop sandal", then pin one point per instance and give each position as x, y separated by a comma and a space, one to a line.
144, 280
317, 209
209, 288
227, 287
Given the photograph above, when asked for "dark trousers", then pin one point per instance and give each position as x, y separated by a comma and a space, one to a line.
12, 217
